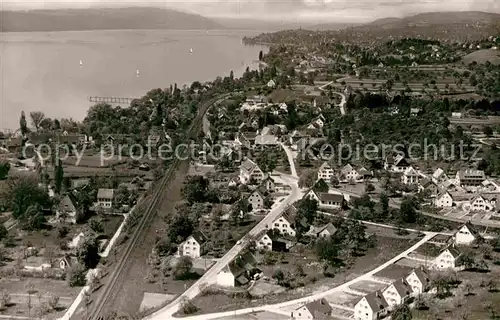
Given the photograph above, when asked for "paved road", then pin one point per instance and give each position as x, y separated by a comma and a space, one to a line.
276, 307
344, 99
289, 155
210, 276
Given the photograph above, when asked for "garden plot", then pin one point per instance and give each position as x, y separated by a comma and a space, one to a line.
342, 298
410, 263
393, 272
366, 286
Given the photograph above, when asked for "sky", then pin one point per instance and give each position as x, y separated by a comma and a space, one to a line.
288, 10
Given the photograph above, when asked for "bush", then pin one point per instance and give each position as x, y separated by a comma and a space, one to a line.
53, 302
95, 223
62, 232
76, 276
189, 308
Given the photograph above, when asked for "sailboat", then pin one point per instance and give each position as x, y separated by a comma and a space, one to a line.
191, 50
81, 63
137, 72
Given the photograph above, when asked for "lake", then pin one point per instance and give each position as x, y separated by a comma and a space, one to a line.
42, 71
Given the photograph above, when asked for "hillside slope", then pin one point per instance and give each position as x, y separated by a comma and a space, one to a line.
100, 19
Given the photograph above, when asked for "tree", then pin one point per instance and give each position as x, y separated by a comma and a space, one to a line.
76, 276
33, 218
183, 268
180, 228
36, 118
408, 212
87, 251
402, 312
4, 169
23, 193
369, 188
3, 231
23, 126
53, 302
261, 54
196, 189
334, 181
321, 186
384, 203
488, 131
58, 177
307, 179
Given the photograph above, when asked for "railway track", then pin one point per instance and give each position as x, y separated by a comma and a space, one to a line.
101, 304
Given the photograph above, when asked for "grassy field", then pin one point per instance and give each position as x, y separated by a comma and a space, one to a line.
314, 280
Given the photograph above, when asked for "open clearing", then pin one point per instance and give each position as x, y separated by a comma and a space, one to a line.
367, 286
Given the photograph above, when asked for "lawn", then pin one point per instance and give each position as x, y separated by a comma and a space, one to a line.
314, 281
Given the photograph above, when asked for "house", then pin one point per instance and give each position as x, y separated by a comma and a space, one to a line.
486, 202
410, 176
66, 262
457, 115
465, 235
428, 185
349, 173
270, 241
284, 223
396, 164
193, 246
419, 281
271, 84
365, 174
414, 111
264, 141
447, 258
439, 176
268, 184
397, 292
66, 210
250, 171
238, 272
327, 200
444, 200
325, 172
441, 240
105, 198
371, 307
470, 178
318, 309
323, 231
256, 200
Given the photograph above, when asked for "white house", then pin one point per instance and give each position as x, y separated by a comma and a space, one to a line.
66, 210
193, 246
325, 172
470, 178
318, 309
327, 200
238, 272
349, 173
105, 198
447, 258
284, 224
371, 307
439, 176
397, 292
249, 171
419, 281
444, 200
271, 84
396, 164
483, 203
465, 235
410, 176
256, 199
323, 231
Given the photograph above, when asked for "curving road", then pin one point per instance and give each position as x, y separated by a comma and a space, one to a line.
342, 103
210, 276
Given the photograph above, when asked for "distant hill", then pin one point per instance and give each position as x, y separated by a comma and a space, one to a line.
102, 19
444, 26
260, 25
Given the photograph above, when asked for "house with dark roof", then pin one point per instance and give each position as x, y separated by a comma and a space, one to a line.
194, 246
396, 163
371, 307
447, 258
466, 235
256, 199
271, 241
318, 309
250, 171
105, 198
67, 261
397, 292
323, 231
419, 280
238, 272
327, 200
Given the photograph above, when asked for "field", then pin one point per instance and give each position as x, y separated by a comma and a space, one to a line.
48, 246
314, 281
481, 56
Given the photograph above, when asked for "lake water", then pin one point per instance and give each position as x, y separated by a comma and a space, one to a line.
41, 70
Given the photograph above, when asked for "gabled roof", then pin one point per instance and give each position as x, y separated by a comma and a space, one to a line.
471, 229
325, 165
400, 160
241, 264
329, 227
402, 287
410, 171
320, 306
105, 193
335, 197
438, 173
453, 250
421, 275
199, 237
376, 301
347, 168
66, 204
248, 165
